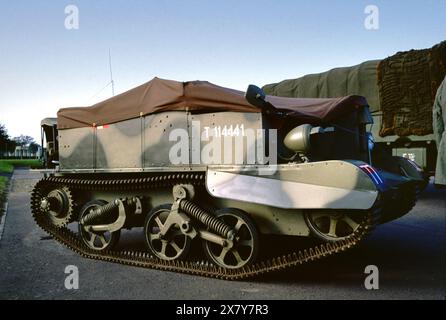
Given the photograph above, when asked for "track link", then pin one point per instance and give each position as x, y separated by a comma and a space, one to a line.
72, 241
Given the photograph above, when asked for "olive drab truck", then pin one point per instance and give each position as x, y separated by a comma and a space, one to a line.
400, 90
195, 164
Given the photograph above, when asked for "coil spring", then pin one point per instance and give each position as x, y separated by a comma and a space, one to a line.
214, 224
102, 210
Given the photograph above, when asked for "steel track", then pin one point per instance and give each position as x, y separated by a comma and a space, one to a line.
145, 260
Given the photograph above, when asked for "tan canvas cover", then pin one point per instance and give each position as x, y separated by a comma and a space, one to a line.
159, 95
339, 82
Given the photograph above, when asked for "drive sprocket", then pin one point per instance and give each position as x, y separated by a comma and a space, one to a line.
57, 205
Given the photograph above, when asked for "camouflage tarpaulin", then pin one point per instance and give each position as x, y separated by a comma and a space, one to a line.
439, 114
358, 80
407, 84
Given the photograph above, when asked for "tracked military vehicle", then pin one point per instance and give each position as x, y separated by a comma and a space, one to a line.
195, 163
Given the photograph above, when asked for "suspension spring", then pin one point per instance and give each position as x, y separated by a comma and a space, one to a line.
100, 211
213, 223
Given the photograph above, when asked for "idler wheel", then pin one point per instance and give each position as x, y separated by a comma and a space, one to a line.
245, 244
174, 244
97, 240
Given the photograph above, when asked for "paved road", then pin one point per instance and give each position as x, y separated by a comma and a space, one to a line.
410, 254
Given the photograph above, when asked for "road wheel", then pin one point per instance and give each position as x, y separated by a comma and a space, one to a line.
97, 240
174, 245
246, 241
333, 226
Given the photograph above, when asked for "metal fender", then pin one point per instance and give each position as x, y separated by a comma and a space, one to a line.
317, 185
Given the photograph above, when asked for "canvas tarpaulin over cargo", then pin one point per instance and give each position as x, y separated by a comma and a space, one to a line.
401, 86
159, 95
338, 82
439, 115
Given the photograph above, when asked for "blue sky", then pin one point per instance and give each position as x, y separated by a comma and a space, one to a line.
44, 66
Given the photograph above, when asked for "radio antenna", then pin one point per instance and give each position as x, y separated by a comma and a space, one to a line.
111, 72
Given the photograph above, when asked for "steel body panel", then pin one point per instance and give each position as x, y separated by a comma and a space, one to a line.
300, 191
156, 142
145, 143
77, 148
118, 145
212, 126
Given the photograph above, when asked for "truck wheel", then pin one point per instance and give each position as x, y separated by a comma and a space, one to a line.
97, 240
246, 242
174, 245
333, 226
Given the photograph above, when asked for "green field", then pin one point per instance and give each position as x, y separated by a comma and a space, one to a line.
7, 166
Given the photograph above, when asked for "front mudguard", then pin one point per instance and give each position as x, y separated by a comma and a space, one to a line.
333, 184
399, 195
406, 168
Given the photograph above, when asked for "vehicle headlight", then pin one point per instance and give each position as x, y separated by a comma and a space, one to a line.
370, 141
298, 139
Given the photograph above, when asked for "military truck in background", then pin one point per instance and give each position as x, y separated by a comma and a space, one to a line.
50, 144
400, 91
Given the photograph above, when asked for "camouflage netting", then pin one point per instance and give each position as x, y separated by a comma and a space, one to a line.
408, 82
403, 86
339, 82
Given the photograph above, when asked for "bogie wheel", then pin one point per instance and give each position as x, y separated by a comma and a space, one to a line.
246, 241
174, 244
97, 240
333, 226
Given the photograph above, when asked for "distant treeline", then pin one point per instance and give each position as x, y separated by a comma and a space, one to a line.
23, 146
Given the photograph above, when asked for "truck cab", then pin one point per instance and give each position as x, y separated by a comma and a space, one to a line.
50, 143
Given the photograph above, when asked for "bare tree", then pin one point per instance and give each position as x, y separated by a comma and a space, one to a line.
23, 140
